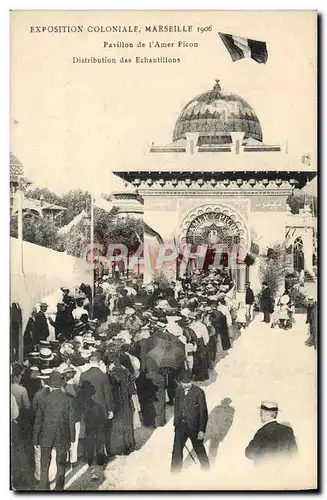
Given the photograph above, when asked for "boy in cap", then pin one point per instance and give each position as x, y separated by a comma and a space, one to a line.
190, 421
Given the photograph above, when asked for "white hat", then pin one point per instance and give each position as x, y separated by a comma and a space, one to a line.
46, 354
129, 311
269, 406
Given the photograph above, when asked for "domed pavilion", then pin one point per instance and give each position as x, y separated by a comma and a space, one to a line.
218, 185
214, 115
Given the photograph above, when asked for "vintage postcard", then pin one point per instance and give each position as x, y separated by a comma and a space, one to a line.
163, 233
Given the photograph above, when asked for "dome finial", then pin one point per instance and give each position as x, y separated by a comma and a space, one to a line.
217, 85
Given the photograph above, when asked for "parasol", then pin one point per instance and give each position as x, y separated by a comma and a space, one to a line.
167, 352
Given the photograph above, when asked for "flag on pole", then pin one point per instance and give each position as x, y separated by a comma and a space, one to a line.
240, 48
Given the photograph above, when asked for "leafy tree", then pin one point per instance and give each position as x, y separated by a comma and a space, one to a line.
274, 267
108, 228
298, 199
76, 240
39, 230
48, 195
75, 201
111, 228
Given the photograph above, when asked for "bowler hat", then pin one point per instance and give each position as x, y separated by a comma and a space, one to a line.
77, 360
56, 380
54, 343
186, 376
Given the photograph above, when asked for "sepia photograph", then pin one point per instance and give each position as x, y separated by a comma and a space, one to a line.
163, 250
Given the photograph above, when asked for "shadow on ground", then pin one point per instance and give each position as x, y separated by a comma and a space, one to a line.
219, 423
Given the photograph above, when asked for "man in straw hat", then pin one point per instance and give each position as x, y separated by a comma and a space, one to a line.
54, 428
190, 421
272, 439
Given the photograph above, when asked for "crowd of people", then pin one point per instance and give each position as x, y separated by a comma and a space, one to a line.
281, 311
103, 366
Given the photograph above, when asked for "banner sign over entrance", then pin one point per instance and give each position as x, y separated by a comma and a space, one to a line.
268, 204
218, 219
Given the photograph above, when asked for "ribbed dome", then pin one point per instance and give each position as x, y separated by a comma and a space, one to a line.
215, 114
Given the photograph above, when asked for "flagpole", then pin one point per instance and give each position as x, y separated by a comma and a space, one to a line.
92, 252
20, 224
21, 255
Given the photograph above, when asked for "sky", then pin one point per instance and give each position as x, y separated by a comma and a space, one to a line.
73, 124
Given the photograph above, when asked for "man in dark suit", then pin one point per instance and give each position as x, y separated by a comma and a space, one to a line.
190, 421
96, 400
41, 327
266, 302
249, 300
272, 440
54, 427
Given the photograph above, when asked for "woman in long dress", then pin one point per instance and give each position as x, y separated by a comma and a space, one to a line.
121, 433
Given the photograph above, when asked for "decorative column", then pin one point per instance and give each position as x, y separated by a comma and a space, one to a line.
241, 271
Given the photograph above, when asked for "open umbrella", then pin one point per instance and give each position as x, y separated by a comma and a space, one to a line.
168, 354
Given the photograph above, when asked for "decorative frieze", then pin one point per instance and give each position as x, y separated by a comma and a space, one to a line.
199, 192
213, 184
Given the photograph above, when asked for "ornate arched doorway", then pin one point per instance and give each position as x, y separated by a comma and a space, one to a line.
220, 232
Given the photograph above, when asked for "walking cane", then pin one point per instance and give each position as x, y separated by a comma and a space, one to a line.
191, 455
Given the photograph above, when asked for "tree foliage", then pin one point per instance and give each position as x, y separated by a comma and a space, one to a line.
112, 228
39, 230
75, 201
274, 267
108, 228
75, 242
47, 195
298, 199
